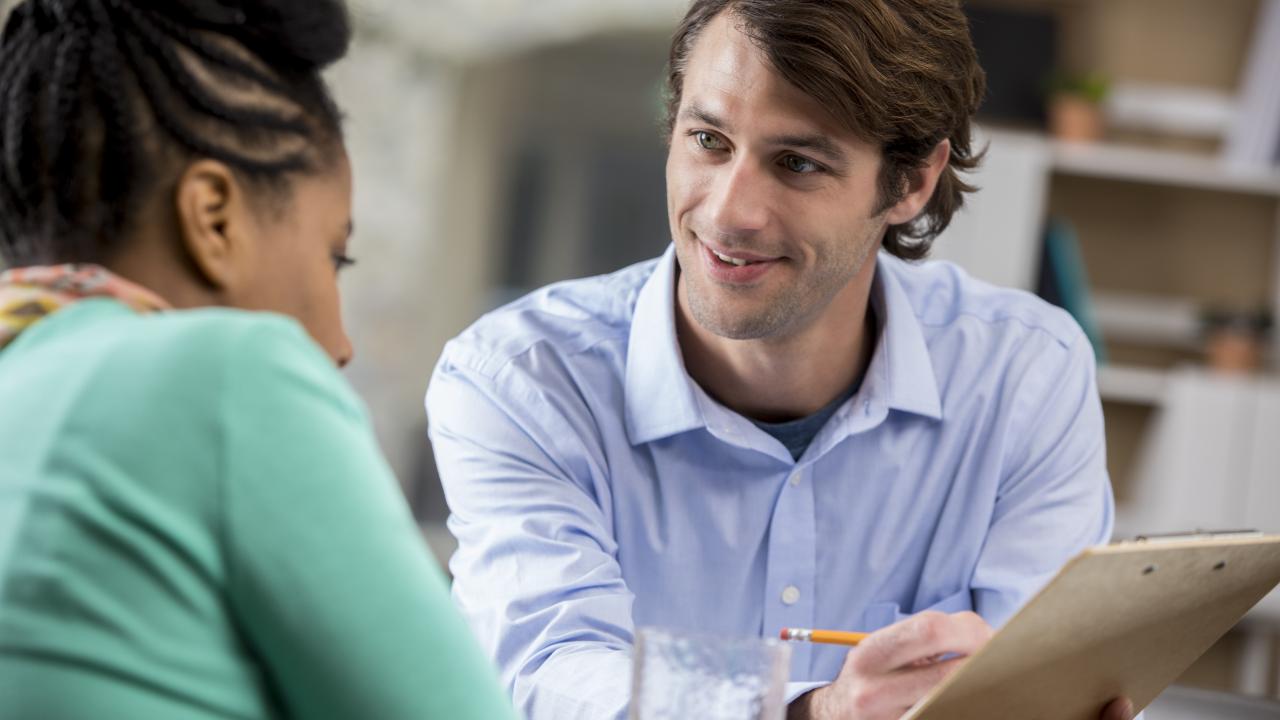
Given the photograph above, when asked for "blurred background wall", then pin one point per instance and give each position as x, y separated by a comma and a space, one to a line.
498, 146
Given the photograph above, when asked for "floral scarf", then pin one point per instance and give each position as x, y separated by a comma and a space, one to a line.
31, 293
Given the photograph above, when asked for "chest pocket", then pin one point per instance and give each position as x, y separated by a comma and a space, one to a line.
882, 615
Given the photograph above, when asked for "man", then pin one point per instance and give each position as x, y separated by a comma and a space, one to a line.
775, 424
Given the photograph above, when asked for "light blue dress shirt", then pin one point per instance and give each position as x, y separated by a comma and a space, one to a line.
594, 487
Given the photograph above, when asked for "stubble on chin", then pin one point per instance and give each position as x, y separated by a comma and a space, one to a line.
711, 305
716, 315
746, 314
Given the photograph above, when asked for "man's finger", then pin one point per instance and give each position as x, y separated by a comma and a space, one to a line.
909, 685
1118, 709
920, 636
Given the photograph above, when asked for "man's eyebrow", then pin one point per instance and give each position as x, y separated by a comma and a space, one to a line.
351, 228
698, 114
818, 143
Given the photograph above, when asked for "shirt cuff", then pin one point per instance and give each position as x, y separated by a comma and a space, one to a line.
796, 689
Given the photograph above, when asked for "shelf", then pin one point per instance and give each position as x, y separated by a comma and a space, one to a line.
1134, 163
1111, 161
1134, 385
1149, 320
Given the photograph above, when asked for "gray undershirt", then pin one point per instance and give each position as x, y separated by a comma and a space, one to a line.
796, 435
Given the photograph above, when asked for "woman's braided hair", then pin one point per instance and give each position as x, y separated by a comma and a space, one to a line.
104, 101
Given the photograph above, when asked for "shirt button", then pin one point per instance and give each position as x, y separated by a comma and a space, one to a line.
790, 595
795, 478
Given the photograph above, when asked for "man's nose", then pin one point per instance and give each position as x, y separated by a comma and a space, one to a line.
740, 199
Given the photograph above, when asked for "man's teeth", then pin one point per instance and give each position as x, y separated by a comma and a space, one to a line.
731, 261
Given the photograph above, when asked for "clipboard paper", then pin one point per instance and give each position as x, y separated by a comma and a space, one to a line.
1122, 619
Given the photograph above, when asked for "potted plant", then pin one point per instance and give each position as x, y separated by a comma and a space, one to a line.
1075, 106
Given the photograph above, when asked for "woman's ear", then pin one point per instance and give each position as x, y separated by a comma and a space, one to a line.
920, 184
214, 223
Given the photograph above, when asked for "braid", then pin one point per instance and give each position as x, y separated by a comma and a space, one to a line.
208, 51
115, 171
61, 121
21, 147
19, 65
19, 34
80, 80
64, 77
180, 77
166, 113
22, 158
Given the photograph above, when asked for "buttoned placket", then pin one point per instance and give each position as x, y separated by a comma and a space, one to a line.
792, 564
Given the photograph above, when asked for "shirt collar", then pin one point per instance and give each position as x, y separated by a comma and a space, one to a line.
662, 399
900, 374
660, 394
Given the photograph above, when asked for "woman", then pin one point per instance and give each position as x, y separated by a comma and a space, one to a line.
195, 521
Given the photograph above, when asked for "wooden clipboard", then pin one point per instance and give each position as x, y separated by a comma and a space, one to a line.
1122, 619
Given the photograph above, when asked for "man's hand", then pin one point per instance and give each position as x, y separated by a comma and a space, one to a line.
893, 668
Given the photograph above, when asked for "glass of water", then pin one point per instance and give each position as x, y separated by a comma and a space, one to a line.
678, 676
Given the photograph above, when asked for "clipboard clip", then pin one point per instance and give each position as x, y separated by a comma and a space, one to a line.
1197, 534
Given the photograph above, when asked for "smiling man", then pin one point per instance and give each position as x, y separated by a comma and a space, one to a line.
782, 421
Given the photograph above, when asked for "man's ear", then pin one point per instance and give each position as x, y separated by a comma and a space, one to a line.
213, 222
920, 184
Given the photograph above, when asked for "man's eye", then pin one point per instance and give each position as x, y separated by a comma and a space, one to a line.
707, 141
799, 165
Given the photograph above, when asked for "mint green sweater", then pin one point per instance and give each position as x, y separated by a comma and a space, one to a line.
196, 522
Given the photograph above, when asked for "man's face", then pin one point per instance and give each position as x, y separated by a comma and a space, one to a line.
760, 172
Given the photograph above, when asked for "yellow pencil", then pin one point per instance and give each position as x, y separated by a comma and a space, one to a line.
833, 637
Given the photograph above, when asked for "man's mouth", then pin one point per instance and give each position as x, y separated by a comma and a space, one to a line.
732, 260
738, 258
736, 267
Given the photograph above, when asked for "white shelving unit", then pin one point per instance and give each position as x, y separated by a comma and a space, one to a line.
1135, 385
1149, 320
1117, 161
1196, 448
1169, 317
1111, 161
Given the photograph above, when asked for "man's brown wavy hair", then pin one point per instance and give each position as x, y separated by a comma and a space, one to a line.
900, 74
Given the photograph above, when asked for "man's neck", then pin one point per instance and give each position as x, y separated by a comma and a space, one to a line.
777, 379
